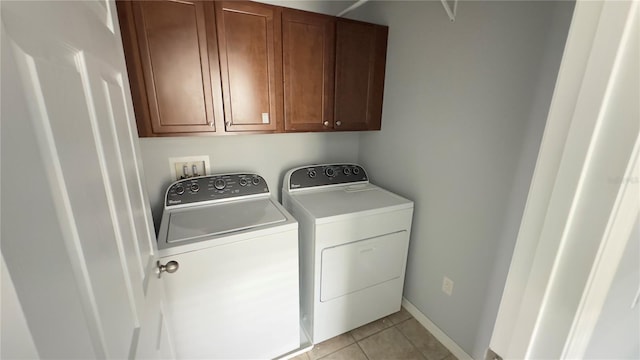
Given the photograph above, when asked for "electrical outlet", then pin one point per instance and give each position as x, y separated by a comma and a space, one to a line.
447, 286
189, 169
189, 166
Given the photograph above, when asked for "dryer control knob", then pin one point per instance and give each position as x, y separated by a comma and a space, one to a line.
219, 184
255, 181
356, 170
243, 182
312, 173
346, 171
179, 189
195, 187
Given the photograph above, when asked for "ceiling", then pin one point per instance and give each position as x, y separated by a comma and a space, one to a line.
329, 7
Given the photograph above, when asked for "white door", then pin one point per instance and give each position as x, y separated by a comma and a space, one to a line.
77, 236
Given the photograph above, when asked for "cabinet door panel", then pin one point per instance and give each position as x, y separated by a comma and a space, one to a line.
360, 63
308, 68
172, 41
250, 51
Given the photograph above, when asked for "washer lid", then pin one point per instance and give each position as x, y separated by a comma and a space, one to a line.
324, 203
196, 222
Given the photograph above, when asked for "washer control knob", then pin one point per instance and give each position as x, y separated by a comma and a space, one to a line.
243, 182
179, 189
356, 170
346, 171
312, 173
255, 181
330, 172
219, 184
195, 187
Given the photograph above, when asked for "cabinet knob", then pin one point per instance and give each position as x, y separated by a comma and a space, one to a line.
170, 267
338, 123
211, 123
326, 123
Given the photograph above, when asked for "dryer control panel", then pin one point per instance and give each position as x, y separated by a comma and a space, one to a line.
328, 174
215, 187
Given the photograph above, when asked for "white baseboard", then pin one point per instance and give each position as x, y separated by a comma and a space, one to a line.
455, 349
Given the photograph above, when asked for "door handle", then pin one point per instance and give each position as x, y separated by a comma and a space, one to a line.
170, 267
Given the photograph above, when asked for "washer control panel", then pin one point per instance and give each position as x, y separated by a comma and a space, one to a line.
215, 187
328, 174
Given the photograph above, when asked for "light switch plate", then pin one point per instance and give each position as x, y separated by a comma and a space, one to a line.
195, 166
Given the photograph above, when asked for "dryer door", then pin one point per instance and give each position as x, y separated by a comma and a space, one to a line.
361, 264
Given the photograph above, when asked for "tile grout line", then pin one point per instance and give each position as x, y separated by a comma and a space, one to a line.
335, 351
370, 335
361, 349
414, 345
377, 332
409, 340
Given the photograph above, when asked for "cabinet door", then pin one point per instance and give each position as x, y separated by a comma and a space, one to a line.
308, 67
168, 59
360, 63
249, 38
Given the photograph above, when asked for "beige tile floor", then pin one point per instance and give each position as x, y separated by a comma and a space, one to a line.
395, 337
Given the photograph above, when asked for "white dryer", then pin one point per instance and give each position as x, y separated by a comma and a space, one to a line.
354, 238
234, 251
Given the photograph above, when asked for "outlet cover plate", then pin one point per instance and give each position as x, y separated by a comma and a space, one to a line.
447, 286
201, 162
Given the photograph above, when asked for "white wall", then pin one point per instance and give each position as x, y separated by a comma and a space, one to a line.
269, 155
332, 7
551, 58
465, 104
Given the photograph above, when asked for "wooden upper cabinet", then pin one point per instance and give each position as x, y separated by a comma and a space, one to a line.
249, 39
168, 57
360, 64
204, 67
308, 66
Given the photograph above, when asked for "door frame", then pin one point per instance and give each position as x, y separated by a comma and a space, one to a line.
597, 41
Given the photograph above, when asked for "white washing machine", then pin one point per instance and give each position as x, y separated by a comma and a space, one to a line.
234, 294
354, 238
